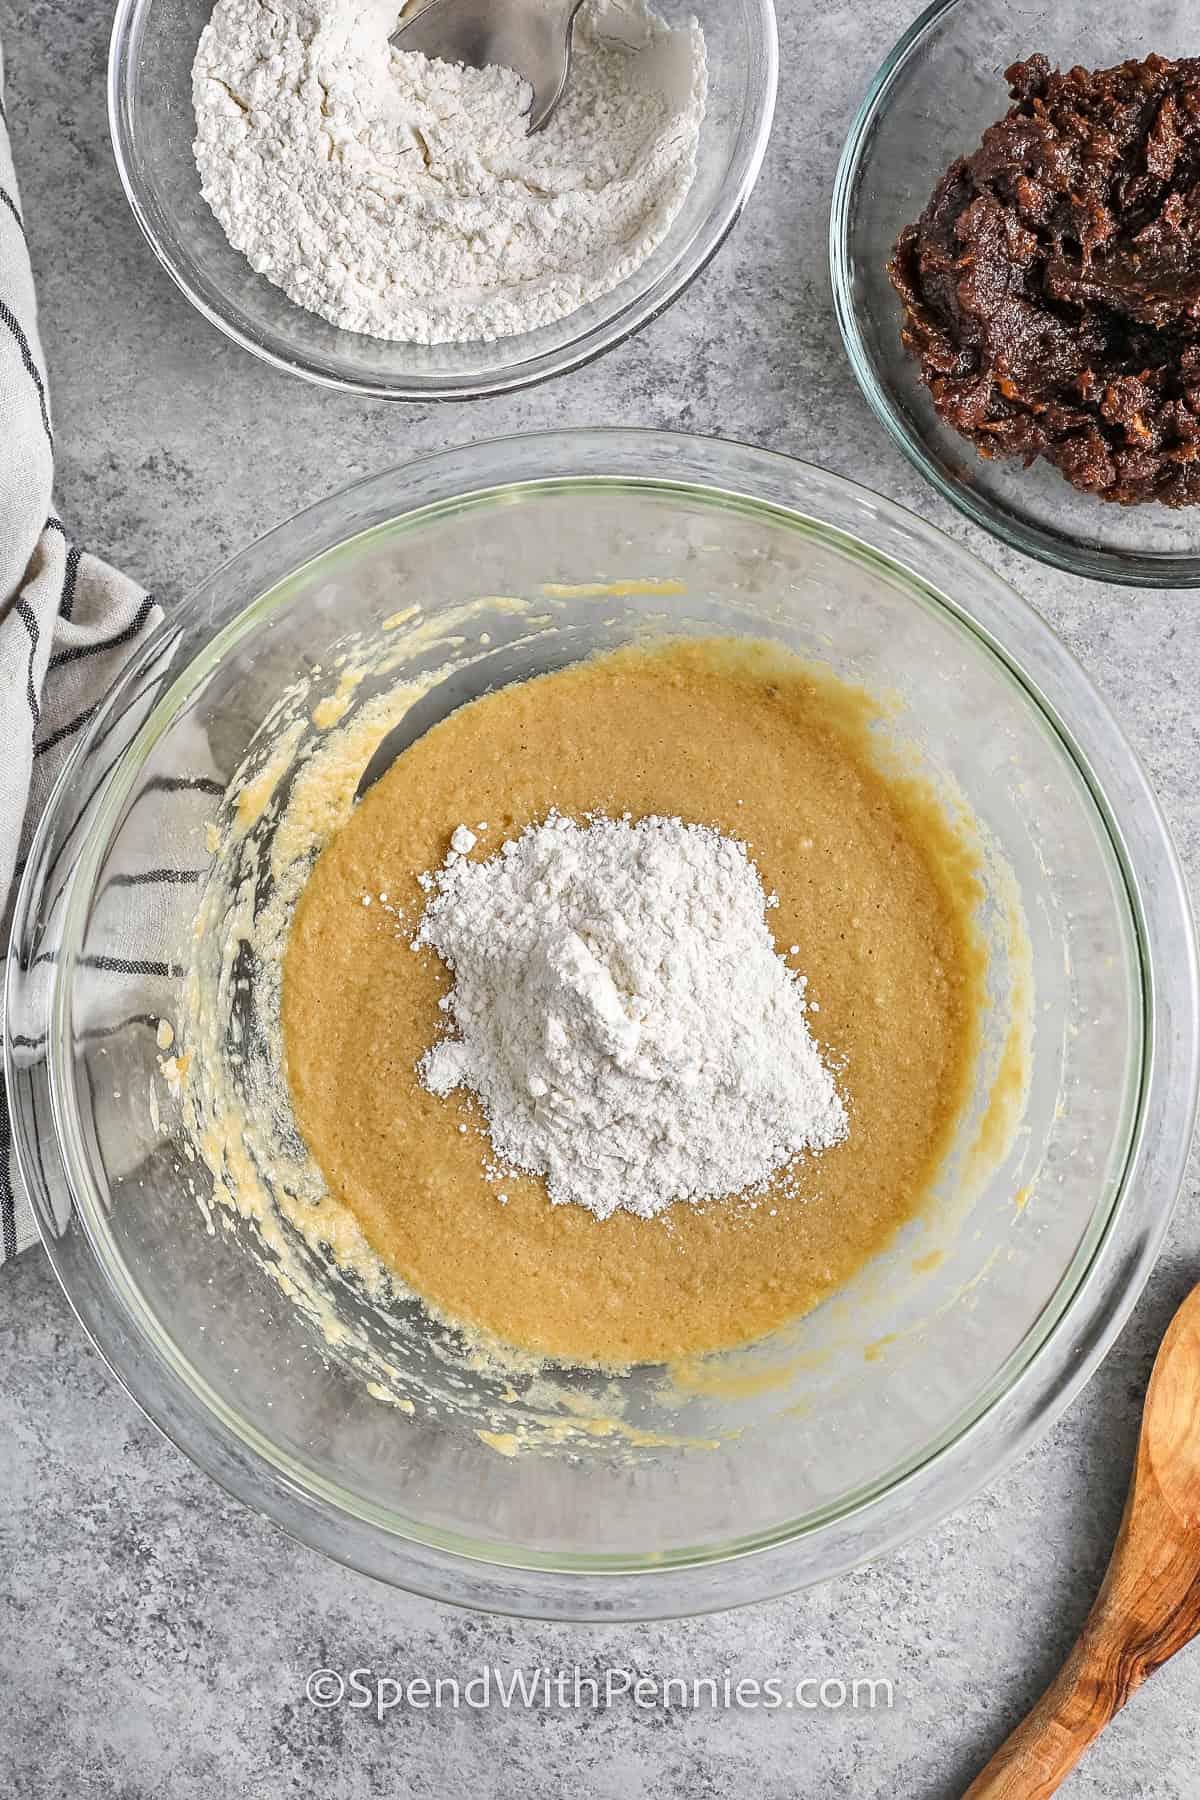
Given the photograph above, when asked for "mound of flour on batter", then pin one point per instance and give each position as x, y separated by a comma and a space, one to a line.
622, 1014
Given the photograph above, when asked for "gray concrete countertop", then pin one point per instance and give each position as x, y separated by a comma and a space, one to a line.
154, 1636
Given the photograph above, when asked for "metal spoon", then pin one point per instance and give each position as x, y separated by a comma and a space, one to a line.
532, 37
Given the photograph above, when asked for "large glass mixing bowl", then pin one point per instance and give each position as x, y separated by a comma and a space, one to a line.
923, 1376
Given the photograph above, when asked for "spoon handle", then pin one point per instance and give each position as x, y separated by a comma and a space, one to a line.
1040, 1754
1148, 1608
1149, 1605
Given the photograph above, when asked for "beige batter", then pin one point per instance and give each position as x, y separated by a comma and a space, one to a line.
874, 883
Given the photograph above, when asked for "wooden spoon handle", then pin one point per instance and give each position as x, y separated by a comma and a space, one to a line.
1049, 1741
1146, 1611
1149, 1605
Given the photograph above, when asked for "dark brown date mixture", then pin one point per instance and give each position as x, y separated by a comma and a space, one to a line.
1051, 288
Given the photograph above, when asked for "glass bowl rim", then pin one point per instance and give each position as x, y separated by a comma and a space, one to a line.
1004, 1384
1130, 569
611, 330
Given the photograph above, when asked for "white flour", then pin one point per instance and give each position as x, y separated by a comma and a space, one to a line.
623, 1015
401, 197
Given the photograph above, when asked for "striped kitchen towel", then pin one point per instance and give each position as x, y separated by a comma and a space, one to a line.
67, 621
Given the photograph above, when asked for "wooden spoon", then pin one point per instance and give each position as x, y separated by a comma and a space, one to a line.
1149, 1606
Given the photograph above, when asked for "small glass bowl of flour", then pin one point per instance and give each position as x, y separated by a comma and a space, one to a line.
378, 222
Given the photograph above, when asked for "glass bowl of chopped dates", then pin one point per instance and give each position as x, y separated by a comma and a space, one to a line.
1015, 248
